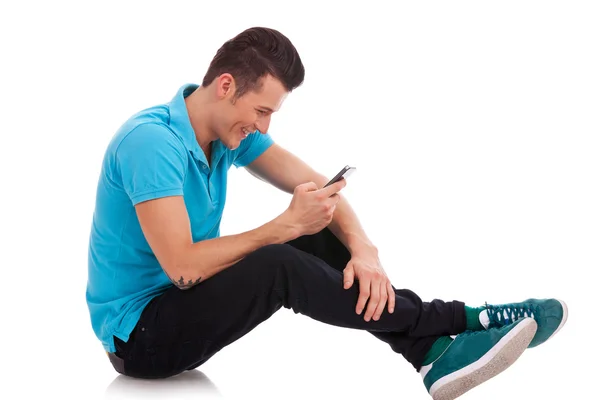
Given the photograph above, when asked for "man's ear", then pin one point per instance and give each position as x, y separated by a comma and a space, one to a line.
225, 86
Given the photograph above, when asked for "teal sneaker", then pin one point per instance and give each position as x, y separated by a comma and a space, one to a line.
475, 357
550, 315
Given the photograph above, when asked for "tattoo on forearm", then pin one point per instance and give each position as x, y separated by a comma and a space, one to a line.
182, 284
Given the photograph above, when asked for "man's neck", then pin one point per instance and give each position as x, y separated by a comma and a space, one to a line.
199, 108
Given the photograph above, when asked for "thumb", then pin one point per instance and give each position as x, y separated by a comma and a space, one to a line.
307, 187
348, 276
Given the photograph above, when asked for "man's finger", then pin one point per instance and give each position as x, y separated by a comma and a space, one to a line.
308, 186
334, 187
391, 298
382, 301
333, 199
373, 300
365, 291
348, 277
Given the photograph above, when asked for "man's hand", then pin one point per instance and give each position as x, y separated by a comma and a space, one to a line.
311, 208
374, 284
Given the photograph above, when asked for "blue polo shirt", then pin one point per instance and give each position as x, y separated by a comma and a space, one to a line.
154, 154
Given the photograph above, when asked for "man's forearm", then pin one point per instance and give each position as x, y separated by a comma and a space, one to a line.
347, 228
286, 171
345, 224
206, 258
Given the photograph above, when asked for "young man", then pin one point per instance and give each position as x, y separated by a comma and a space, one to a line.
166, 292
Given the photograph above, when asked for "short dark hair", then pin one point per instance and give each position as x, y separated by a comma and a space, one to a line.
254, 54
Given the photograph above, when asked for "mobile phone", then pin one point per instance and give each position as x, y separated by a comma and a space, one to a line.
344, 173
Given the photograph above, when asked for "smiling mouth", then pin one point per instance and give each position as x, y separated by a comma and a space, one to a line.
245, 132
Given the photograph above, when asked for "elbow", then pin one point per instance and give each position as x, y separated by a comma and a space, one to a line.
182, 275
183, 279
185, 283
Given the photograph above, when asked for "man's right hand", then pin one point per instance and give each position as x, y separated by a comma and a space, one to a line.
311, 208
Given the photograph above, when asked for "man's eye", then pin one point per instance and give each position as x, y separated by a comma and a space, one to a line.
261, 112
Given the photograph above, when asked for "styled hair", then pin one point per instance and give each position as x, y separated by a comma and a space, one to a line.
254, 54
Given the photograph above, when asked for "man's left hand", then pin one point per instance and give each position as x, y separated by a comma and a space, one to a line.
374, 284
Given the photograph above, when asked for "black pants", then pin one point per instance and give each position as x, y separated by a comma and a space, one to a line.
182, 329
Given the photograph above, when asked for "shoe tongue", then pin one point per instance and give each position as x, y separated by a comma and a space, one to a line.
484, 319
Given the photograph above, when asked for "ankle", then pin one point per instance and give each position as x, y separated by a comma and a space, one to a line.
472, 316
437, 349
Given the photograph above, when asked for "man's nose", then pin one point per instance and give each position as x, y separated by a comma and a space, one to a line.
262, 124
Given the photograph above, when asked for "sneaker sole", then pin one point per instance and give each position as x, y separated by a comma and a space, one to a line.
492, 363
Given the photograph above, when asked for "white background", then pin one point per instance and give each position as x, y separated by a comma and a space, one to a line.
474, 127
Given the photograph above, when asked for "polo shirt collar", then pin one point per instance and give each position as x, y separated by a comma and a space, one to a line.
181, 125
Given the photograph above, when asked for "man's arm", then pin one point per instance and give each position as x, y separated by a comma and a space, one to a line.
166, 226
285, 171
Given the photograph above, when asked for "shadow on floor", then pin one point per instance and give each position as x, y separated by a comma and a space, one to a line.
188, 384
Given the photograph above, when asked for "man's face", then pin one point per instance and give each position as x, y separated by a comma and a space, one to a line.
249, 113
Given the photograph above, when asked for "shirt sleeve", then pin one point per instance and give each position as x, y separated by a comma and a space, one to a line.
152, 163
251, 147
